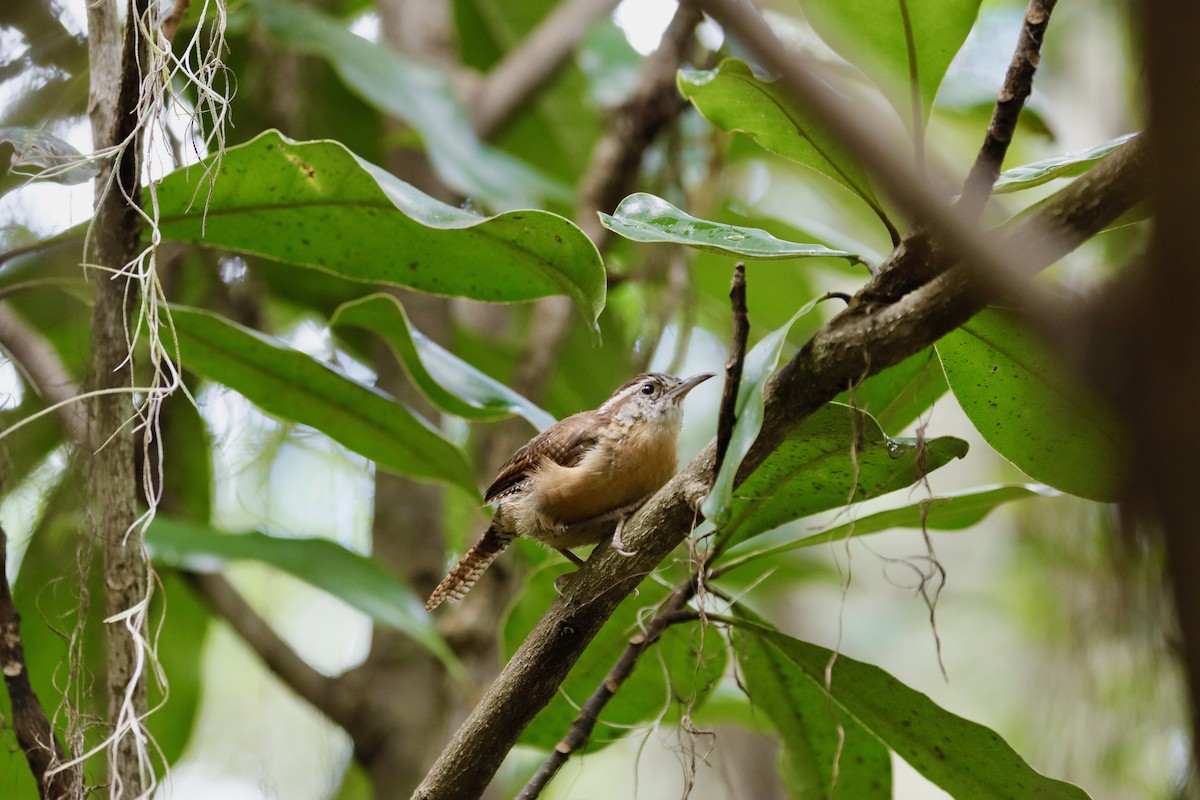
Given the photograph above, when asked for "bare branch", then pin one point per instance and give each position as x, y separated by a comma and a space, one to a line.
226, 602
40, 363
1018, 83
863, 334
617, 157
589, 713
733, 365
999, 270
1147, 332
514, 81
34, 734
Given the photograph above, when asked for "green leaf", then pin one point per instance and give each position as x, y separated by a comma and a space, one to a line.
42, 155
419, 94
814, 763
294, 386
644, 217
835, 457
871, 34
316, 204
447, 381
901, 393
1068, 166
1024, 404
962, 757
757, 367
348, 576
733, 99
672, 676
952, 512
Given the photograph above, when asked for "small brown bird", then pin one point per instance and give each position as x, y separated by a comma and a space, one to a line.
576, 482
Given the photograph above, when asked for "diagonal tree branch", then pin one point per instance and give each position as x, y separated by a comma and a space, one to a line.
1000, 271
863, 334
226, 602
528, 67
45, 372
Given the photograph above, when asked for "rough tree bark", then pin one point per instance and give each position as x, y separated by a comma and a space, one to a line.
116, 82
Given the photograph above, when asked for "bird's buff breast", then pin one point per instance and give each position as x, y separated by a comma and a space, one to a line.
562, 504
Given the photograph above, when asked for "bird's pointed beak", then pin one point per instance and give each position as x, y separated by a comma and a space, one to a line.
680, 391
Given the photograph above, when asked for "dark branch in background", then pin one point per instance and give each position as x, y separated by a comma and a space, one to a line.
617, 157
611, 174
1018, 83
44, 370
171, 22
225, 602
515, 80
1144, 351
34, 735
831, 361
733, 365
589, 714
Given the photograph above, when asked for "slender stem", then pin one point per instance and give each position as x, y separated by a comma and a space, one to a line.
733, 365
226, 602
515, 80
1018, 83
589, 713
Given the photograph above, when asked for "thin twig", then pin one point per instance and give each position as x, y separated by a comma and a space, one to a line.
1018, 83
733, 365
35, 737
999, 271
533, 63
580, 731
62, 240
226, 602
617, 157
41, 365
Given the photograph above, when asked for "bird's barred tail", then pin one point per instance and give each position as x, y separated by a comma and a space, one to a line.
468, 569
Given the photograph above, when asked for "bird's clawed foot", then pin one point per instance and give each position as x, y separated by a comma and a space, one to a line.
617, 544
561, 581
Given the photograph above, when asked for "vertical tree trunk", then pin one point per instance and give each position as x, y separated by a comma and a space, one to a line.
112, 486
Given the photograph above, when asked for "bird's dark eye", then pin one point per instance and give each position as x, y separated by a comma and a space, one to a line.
647, 388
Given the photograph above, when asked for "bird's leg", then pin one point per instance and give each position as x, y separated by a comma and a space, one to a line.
574, 559
561, 580
617, 544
